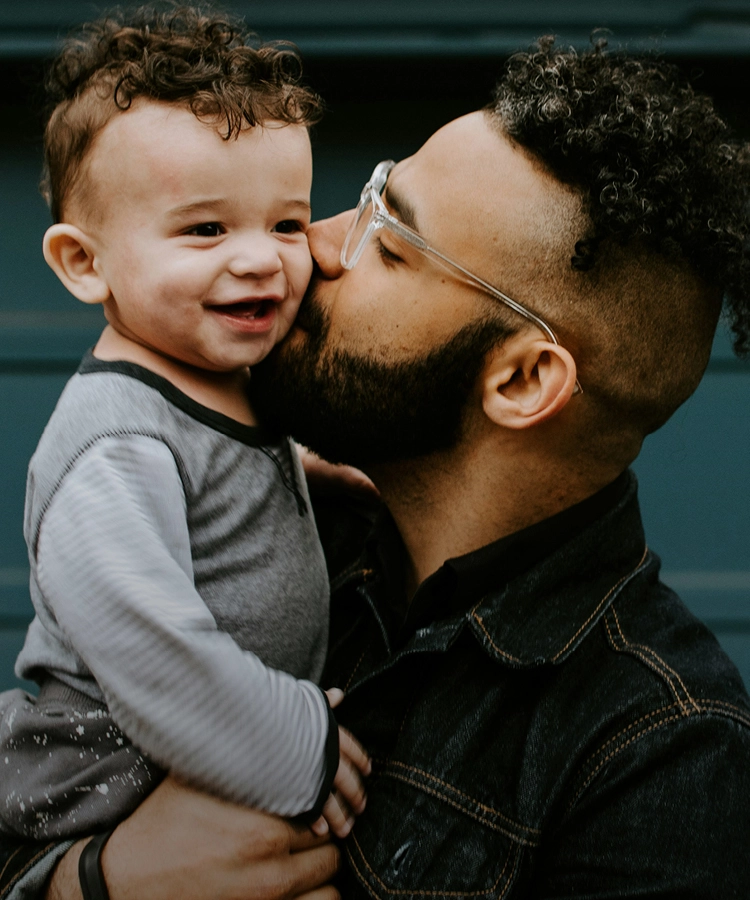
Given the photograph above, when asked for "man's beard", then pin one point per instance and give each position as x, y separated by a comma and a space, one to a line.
352, 409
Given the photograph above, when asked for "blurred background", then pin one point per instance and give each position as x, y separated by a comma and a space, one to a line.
391, 72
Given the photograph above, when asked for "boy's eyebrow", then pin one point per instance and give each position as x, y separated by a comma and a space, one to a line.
197, 206
218, 203
305, 204
401, 207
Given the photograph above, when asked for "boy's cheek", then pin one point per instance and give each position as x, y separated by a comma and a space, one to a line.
287, 315
298, 267
304, 266
296, 294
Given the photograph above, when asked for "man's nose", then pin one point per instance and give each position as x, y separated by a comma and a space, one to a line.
326, 239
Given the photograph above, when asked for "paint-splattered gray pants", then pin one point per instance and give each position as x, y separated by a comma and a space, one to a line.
66, 769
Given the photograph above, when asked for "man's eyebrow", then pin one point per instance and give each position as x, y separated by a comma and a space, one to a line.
401, 207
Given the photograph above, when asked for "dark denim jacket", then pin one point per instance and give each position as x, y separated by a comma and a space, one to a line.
574, 733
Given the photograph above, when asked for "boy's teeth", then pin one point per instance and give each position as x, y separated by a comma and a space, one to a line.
246, 310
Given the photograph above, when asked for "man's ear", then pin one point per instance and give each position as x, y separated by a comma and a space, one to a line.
527, 381
71, 256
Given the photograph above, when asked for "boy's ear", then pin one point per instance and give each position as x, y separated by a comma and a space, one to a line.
527, 381
70, 254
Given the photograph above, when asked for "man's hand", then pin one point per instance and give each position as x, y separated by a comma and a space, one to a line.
181, 843
347, 799
328, 479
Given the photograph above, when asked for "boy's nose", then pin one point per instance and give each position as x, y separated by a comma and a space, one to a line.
326, 238
259, 257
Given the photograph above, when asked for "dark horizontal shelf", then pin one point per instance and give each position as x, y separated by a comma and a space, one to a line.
431, 27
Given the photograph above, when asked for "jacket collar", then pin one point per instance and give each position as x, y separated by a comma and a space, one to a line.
531, 597
542, 615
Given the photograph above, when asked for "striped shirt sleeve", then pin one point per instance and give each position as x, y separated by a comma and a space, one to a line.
113, 562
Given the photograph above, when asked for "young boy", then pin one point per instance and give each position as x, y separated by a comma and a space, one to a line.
180, 589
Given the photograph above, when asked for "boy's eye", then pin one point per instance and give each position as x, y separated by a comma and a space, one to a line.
207, 229
385, 253
288, 226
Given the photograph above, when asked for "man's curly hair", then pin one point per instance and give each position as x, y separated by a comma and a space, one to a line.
210, 63
652, 159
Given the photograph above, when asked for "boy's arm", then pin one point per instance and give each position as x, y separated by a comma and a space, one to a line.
113, 561
347, 799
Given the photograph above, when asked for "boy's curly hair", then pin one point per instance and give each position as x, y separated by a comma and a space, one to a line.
210, 63
652, 159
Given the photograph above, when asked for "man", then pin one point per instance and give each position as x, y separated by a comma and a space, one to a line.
537, 290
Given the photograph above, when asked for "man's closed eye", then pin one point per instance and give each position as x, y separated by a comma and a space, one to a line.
387, 255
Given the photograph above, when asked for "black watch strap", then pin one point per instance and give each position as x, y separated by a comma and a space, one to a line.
90, 874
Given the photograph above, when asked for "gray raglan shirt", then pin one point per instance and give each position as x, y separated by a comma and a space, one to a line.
176, 574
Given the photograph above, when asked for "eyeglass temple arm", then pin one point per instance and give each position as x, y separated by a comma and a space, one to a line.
377, 183
419, 242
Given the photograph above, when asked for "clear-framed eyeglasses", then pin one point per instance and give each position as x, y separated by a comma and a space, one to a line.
372, 215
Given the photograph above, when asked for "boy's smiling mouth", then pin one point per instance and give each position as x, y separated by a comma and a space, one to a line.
248, 315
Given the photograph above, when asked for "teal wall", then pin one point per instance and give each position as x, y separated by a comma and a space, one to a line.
410, 28
387, 88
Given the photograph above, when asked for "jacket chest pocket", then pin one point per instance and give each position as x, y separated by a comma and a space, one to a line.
421, 837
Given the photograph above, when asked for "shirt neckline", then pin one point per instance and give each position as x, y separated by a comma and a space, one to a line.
462, 581
252, 435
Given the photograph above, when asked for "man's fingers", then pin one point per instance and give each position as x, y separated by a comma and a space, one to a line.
351, 748
319, 827
312, 869
286, 876
302, 839
325, 893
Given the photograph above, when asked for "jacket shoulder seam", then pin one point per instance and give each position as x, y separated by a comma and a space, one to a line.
644, 725
610, 593
649, 657
726, 709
